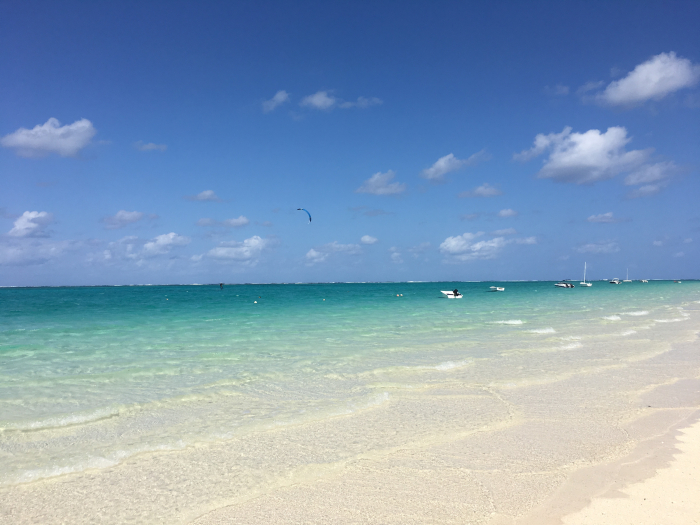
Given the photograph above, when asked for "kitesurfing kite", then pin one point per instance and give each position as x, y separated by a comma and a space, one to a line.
307, 212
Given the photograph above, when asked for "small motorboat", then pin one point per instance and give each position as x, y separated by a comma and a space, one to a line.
497, 289
564, 283
645, 280
451, 295
615, 281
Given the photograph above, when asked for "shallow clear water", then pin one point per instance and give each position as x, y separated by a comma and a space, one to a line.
92, 376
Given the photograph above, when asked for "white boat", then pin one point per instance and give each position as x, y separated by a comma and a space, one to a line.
451, 295
498, 289
644, 280
615, 281
628, 277
564, 284
584, 283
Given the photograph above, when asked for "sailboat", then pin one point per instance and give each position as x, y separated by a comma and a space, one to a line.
584, 283
627, 280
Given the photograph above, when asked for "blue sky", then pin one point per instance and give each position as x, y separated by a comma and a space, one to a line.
172, 142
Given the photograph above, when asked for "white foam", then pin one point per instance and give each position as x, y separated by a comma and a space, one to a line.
641, 312
65, 421
510, 321
628, 332
449, 365
670, 320
571, 346
543, 331
612, 318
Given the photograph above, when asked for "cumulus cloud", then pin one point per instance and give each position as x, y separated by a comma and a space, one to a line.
380, 184
319, 100
599, 247
280, 98
507, 213
248, 250
206, 195
31, 224
51, 137
645, 191
362, 103
319, 255
29, 252
651, 173
122, 218
149, 146
485, 190
396, 257
368, 239
449, 163
654, 79
604, 218
466, 247
236, 223
584, 158
163, 244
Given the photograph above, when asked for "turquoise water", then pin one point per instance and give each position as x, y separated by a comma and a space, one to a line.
92, 376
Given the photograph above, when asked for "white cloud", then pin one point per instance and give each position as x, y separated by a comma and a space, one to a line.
362, 103
589, 86
651, 173
26, 252
679, 254
396, 257
150, 146
526, 240
163, 244
603, 217
206, 195
507, 213
485, 190
645, 191
31, 224
379, 184
507, 231
313, 256
463, 248
51, 137
368, 239
236, 223
121, 219
658, 243
319, 100
280, 98
449, 163
249, 250
316, 256
599, 247
688, 240
654, 79
584, 158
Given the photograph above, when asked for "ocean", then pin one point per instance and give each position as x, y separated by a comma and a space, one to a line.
275, 384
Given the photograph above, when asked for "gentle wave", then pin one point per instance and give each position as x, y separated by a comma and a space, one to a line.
510, 321
641, 312
65, 421
543, 331
571, 346
628, 332
677, 320
612, 318
449, 365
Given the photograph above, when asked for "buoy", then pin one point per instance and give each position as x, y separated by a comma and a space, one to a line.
324, 299
255, 302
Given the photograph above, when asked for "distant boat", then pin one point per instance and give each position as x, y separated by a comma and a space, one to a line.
677, 282
615, 281
451, 295
564, 284
628, 277
498, 289
584, 283
644, 281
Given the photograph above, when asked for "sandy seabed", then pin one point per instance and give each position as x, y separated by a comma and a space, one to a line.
571, 446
